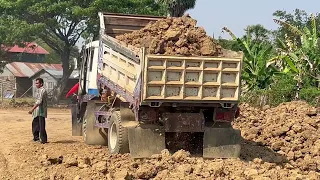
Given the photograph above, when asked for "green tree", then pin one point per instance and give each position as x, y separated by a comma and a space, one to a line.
62, 22
258, 33
228, 44
301, 56
299, 19
53, 57
12, 32
177, 8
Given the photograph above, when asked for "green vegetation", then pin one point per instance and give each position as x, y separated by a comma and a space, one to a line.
279, 66
177, 8
282, 65
12, 31
60, 24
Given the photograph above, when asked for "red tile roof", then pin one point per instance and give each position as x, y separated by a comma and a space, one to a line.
23, 69
31, 48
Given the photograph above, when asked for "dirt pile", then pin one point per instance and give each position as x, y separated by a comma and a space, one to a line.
291, 129
173, 36
100, 165
164, 166
66, 157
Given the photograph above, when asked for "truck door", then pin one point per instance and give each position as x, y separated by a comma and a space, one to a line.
76, 105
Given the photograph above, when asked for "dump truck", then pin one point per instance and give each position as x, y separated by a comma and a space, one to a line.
139, 103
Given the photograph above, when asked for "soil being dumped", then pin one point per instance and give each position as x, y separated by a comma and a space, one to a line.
173, 36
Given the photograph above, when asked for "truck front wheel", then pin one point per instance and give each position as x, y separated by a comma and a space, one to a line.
92, 135
117, 135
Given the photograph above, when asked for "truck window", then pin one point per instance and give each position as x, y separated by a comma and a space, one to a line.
91, 58
84, 62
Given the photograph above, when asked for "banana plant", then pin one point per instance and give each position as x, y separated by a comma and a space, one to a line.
302, 57
257, 73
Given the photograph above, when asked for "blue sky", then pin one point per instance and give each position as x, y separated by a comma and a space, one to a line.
213, 15
236, 14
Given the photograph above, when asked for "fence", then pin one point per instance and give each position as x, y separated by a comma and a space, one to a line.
7, 89
8, 93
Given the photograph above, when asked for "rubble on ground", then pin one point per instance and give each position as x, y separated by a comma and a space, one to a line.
291, 130
278, 143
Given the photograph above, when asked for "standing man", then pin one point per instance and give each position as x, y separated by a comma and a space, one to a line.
39, 113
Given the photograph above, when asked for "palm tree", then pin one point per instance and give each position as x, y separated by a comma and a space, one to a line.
177, 8
258, 33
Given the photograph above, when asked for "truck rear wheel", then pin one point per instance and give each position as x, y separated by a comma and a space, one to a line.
92, 135
117, 135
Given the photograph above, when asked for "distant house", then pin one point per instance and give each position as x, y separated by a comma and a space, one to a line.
32, 52
51, 77
16, 77
27, 64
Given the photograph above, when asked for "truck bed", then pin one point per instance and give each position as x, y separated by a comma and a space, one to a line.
174, 78
117, 24
161, 78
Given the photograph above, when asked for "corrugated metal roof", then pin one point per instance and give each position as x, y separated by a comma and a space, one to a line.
58, 73
23, 69
31, 48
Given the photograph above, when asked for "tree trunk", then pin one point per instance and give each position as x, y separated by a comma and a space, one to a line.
299, 86
296, 97
61, 85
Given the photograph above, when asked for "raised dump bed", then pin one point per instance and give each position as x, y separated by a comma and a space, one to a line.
118, 24
175, 78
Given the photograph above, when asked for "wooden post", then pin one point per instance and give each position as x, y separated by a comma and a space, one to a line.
1, 91
15, 90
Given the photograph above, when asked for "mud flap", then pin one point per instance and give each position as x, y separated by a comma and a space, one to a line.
76, 126
221, 143
144, 142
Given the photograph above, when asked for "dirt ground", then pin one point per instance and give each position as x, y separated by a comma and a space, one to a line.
67, 157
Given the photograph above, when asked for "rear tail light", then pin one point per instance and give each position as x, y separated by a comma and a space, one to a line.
226, 114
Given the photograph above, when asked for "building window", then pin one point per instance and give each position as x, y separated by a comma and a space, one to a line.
50, 85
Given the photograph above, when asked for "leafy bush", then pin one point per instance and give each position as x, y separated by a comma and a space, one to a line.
282, 90
310, 94
254, 97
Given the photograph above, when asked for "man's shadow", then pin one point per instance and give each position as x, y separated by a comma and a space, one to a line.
64, 142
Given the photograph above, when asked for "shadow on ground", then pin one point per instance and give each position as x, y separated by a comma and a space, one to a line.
64, 142
251, 150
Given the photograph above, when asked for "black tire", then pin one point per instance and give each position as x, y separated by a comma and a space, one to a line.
93, 135
117, 135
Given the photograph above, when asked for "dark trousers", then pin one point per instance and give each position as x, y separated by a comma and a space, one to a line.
39, 127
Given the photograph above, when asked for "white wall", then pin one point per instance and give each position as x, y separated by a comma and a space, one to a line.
49, 83
8, 86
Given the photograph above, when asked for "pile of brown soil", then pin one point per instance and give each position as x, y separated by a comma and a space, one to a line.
173, 36
279, 143
291, 129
